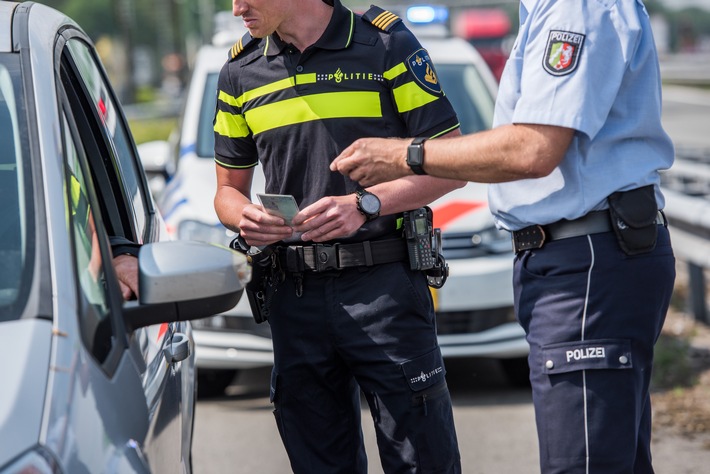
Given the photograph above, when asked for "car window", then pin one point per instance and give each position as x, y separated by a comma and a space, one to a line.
468, 94
205, 130
16, 225
117, 150
94, 318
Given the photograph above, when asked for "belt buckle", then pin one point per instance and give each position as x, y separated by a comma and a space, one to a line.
325, 257
531, 237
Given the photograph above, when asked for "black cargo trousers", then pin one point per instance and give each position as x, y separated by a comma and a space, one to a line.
370, 328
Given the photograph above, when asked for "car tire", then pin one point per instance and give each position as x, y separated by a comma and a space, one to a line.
517, 371
212, 383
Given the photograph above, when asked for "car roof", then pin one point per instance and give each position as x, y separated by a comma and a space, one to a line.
39, 22
6, 26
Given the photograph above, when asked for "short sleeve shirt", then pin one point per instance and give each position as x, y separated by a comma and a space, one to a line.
589, 65
294, 112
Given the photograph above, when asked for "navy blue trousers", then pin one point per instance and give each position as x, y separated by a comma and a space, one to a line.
592, 315
372, 329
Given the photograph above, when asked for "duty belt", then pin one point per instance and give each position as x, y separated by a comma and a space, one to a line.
324, 257
595, 222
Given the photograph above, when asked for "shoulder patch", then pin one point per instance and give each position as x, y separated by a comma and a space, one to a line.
562, 52
240, 45
383, 19
420, 65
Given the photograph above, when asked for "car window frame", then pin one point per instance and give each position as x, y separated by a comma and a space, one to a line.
127, 225
71, 94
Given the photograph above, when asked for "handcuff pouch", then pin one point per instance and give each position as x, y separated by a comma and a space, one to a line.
265, 277
634, 219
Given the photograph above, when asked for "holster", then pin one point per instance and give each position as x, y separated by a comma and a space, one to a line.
633, 218
265, 277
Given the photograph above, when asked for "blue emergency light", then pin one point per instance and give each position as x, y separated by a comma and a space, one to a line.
427, 14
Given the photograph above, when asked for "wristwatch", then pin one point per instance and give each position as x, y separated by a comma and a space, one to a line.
415, 155
368, 204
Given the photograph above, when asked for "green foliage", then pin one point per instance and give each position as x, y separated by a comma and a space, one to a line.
672, 367
146, 130
96, 17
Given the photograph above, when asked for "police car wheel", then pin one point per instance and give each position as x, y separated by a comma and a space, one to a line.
517, 371
212, 383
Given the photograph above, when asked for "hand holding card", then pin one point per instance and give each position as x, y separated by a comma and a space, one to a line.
281, 205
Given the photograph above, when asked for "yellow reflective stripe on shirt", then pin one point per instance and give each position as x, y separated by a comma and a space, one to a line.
306, 78
410, 96
231, 125
395, 71
314, 107
267, 89
227, 99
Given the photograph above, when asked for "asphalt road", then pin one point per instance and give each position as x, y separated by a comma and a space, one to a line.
494, 422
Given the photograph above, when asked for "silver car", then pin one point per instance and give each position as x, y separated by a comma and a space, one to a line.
89, 383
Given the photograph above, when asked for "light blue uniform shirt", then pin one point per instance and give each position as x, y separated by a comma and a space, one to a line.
590, 65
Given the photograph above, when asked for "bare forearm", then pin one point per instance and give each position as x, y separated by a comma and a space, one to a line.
507, 153
504, 154
229, 204
412, 192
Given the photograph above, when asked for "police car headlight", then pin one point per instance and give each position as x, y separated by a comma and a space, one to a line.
492, 240
202, 232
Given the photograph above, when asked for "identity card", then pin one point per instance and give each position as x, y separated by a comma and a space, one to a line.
282, 205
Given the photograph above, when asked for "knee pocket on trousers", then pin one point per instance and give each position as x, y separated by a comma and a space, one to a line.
432, 422
586, 355
586, 395
424, 371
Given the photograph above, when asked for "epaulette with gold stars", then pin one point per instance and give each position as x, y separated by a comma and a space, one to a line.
383, 19
240, 45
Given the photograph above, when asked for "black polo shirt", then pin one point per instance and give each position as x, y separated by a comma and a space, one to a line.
295, 112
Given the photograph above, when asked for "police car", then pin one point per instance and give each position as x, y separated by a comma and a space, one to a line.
475, 315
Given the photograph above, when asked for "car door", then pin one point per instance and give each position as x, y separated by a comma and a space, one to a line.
124, 207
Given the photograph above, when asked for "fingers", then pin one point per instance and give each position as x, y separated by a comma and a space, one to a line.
126, 291
260, 228
329, 218
126, 267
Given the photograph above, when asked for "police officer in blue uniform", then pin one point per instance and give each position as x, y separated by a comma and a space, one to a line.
347, 313
575, 155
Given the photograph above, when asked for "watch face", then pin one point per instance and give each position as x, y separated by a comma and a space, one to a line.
369, 203
415, 155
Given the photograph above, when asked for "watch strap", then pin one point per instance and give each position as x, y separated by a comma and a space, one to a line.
415, 155
368, 216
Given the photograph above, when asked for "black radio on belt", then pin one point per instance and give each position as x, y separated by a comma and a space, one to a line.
424, 246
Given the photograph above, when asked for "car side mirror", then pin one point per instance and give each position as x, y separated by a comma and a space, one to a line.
182, 280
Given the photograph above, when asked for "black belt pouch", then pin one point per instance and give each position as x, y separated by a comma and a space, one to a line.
633, 218
261, 287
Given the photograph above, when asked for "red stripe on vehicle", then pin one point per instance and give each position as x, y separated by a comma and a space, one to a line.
163, 329
451, 211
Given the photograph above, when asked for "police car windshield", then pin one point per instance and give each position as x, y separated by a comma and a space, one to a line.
462, 83
16, 226
205, 131
469, 95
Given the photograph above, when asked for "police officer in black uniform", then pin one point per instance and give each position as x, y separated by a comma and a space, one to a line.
349, 314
